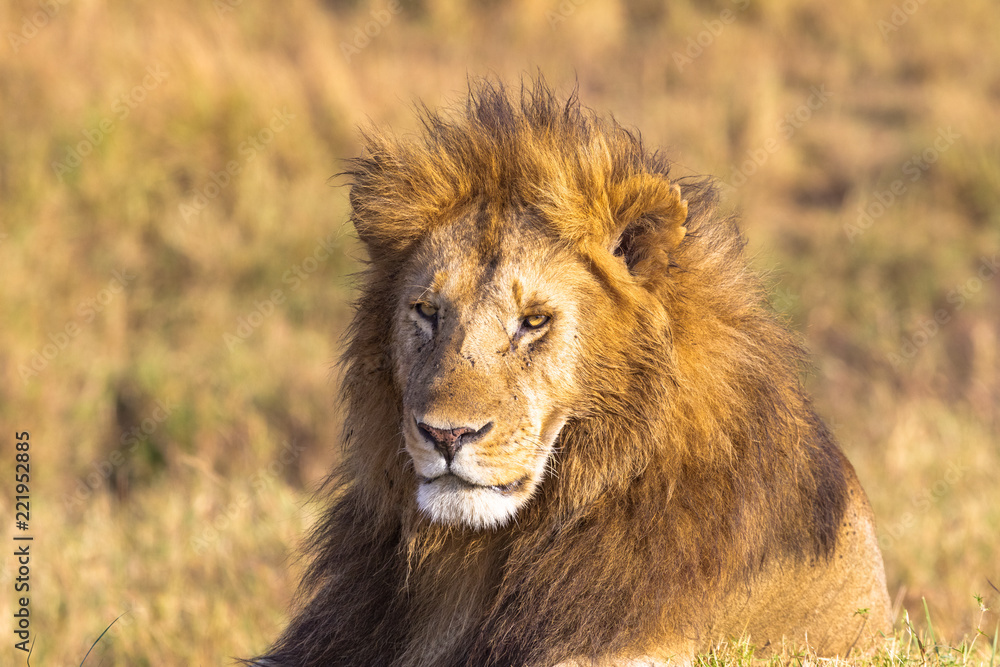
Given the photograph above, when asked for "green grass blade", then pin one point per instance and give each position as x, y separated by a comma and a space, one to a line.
930, 626
99, 638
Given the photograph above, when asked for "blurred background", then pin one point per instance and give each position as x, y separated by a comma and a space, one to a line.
176, 271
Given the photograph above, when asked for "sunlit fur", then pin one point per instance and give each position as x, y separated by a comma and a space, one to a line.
689, 492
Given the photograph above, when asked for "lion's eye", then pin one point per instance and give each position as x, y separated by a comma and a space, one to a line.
534, 321
427, 310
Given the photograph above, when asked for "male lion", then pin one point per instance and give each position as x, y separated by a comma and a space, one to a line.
575, 432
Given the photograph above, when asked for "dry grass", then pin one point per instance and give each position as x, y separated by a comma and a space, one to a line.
190, 527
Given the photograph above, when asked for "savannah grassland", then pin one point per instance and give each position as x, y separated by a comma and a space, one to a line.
176, 272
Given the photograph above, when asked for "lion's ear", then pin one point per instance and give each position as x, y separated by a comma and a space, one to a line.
649, 214
391, 197
382, 226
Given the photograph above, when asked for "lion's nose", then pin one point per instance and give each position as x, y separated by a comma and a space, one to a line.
449, 440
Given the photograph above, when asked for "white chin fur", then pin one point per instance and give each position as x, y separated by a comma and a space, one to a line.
448, 501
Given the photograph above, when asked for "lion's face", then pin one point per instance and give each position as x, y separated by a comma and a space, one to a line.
487, 335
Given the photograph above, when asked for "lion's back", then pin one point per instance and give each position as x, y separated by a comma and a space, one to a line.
838, 603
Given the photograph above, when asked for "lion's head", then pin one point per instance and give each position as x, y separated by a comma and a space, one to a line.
518, 295
494, 319
574, 427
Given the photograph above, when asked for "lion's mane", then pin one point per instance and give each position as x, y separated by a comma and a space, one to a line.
698, 461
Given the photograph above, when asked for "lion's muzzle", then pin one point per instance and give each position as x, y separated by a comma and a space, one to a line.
449, 440
477, 474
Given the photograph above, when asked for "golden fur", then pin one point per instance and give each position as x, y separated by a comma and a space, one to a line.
639, 476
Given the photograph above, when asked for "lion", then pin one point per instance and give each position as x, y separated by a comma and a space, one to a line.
575, 431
